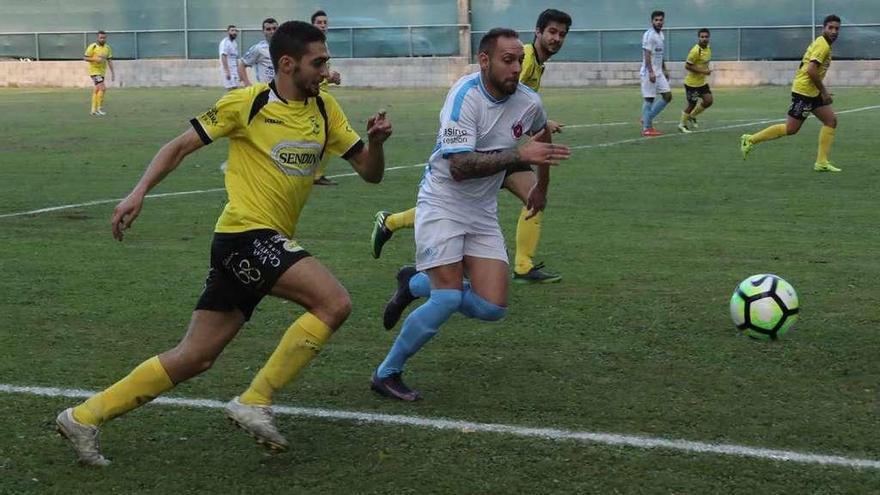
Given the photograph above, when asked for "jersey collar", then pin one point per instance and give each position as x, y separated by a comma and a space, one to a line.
273, 95
537, 58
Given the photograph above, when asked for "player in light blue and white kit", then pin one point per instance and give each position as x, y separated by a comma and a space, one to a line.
655, 77
456, 230
258, 56
228, 49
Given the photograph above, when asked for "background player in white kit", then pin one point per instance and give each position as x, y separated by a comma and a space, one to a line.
258, 57
457, 231
655, 77
229, 58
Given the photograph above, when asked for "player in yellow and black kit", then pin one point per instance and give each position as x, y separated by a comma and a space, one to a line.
550, 31
696, 89
98, 55
808, 95
278, 133
321, 21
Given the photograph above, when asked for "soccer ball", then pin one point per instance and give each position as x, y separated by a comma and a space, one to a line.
764, 306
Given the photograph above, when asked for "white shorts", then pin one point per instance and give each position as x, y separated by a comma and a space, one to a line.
233, 81
443, 241
650, 89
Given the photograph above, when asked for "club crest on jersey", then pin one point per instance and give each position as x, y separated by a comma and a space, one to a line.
517, 130
297, 158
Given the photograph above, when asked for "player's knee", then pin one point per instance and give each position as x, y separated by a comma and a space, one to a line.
190, 364
474, 306
448, 300
335, 310
667, 97
707, 102
832, 123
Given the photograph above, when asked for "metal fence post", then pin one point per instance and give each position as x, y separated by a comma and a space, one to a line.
601, 48
739, 44
350, 42
85, 40
813, 22
37, 45
409, 29
185, 29
136, 56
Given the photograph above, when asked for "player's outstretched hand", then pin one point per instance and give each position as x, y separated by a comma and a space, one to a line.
554, 127
334, 78
378, 128
543, 154
125, 213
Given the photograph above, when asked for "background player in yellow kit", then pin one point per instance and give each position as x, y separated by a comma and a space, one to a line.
98, 55
278, 132
696, 88
550, 31
808, 95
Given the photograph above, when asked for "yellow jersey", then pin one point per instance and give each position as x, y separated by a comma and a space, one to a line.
96, 50
700, 57
532, 69
275, 147
820, 51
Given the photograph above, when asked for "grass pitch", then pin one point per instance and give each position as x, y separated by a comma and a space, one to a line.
651, 236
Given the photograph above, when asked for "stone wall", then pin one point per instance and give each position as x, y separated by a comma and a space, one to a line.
424, 72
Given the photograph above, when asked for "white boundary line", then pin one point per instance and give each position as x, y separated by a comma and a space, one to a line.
552, 434
580, 147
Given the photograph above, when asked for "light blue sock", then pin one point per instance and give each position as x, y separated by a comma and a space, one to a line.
419, 327
659, 105
646, 115
420, 285
474, 306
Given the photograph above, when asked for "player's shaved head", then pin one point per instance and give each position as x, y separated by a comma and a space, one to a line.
292, 39
490, 39
501, 57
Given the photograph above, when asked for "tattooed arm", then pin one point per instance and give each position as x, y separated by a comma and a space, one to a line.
473, 165
535, 151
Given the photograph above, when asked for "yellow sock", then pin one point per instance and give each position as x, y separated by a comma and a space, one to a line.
528, 233
826, 138
698, 110
684, 117
403, 220
142, 385
94, 101
772, 132
100, 98
300, 344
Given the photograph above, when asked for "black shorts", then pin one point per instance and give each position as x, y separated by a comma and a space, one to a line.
695, 94
522, 167
245, 267
802, 106
97, 79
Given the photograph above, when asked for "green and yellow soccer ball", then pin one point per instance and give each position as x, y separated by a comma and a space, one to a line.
764, 306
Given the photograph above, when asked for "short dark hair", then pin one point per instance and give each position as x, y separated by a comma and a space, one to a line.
552, 15
488, 41
230, 27
319, 13
102, 32
291, 38
269, 20
704, 30
658, 13
830, 18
